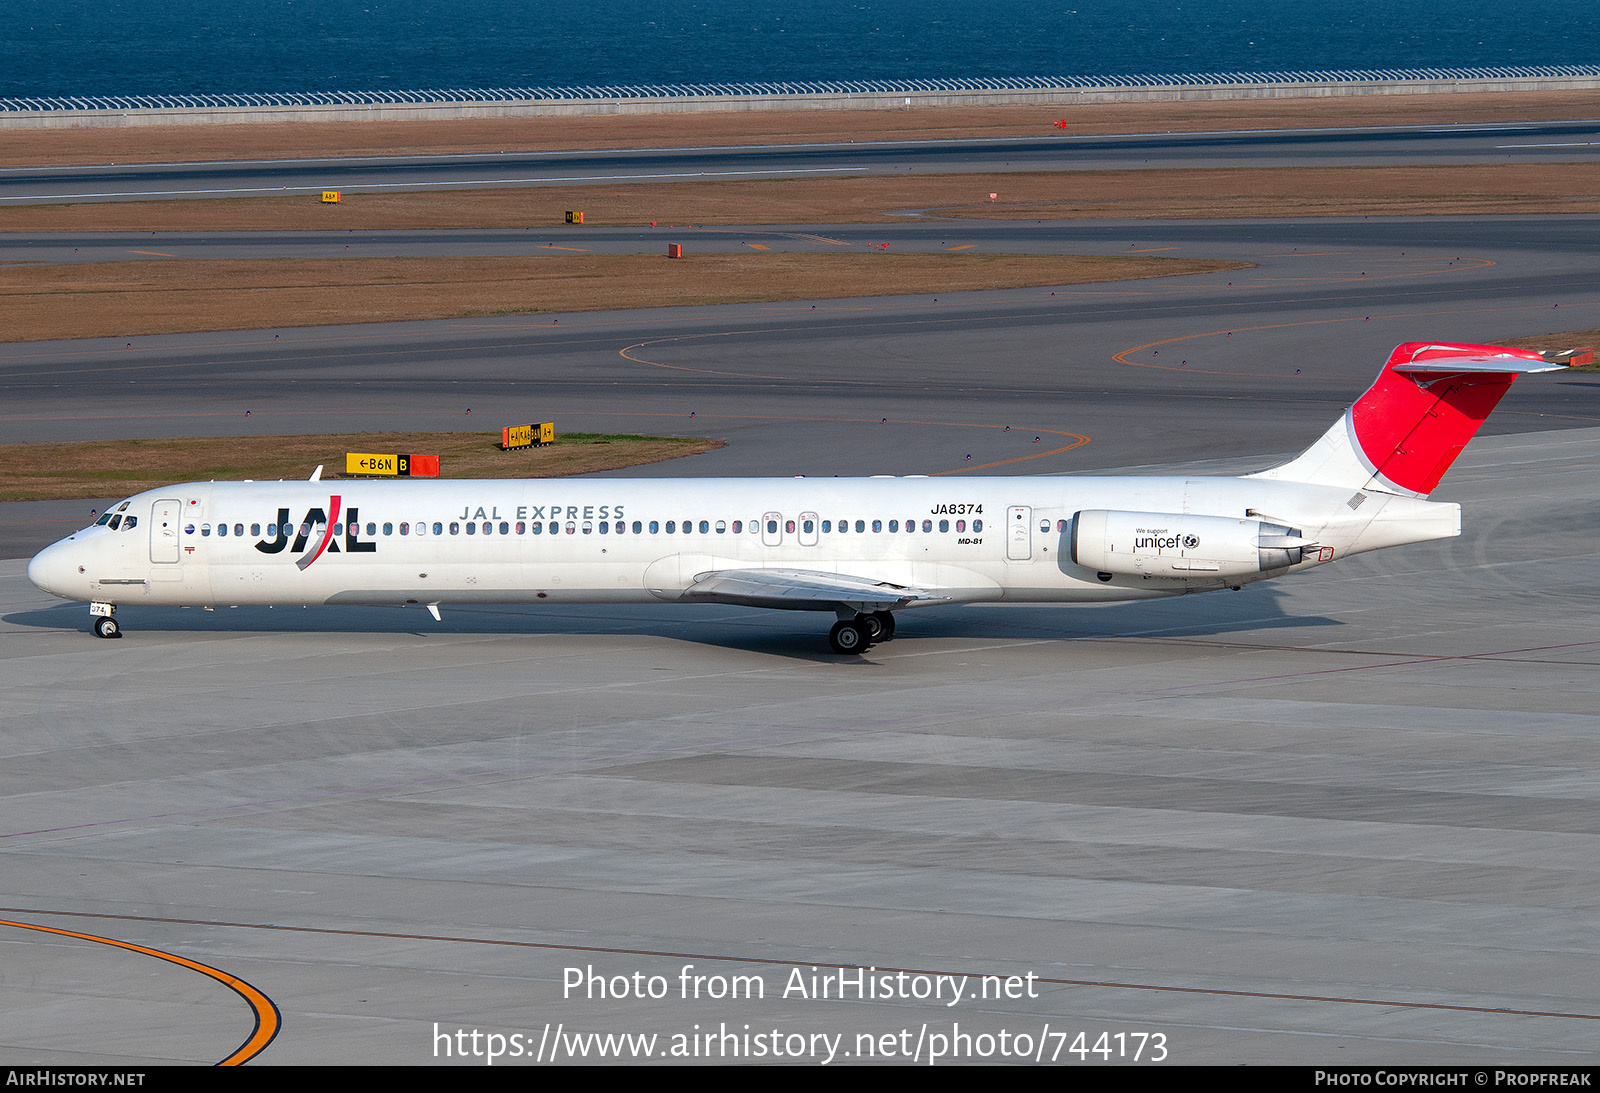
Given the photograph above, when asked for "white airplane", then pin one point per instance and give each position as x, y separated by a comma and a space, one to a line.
860, 548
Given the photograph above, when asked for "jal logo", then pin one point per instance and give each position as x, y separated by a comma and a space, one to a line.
316, 519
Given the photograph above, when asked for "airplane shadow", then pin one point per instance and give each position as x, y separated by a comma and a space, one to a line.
792, 635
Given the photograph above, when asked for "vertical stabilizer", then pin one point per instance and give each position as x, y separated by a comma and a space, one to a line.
1407, 429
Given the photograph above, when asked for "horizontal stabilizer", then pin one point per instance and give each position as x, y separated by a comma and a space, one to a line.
1502, 366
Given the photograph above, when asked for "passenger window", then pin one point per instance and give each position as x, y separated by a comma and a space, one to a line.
238, 529
538, 528
894, 526
438, 527
405, 528
977, 525
522, 527
927, 525
944, 525
222, 530
638, 528
1061, 525
806, 526
738, 526
505, 527
455, 527
961, 525
205, 531
672, 526
722, 527
772, 527
605, 527
827, 526
705, 527
588, 528
788, 525
655, 527
572, 528
338, 529
861, 526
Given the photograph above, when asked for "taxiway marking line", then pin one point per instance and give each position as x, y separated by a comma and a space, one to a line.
267, 1019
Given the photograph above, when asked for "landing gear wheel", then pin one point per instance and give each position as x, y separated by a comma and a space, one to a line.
106, 627
849, 637
874, 627
885, 621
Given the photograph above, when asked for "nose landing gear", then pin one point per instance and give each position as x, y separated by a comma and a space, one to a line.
105, 624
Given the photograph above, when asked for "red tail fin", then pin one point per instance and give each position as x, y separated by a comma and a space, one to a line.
1428, 401
1409, 426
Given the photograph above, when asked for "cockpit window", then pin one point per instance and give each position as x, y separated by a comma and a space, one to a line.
116, 522
106, 517
130, 523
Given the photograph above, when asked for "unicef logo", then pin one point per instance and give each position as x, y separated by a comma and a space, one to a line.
1190, 542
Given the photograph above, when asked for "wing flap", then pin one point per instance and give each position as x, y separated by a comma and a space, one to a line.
804, 590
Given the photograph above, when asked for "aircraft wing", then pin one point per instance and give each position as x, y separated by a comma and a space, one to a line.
804, 590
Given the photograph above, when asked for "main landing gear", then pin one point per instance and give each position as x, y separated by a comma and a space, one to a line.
852, 636
105, 623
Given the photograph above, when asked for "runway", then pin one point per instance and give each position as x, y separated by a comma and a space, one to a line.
1534, 142
1349, 817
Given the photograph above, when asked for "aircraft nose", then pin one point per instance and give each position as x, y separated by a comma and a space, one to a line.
49, 568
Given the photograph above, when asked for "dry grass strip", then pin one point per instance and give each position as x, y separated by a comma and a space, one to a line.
121, 299
116, 468
489, 136
1052, 195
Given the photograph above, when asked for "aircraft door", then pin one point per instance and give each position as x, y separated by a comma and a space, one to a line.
166, 516
1019, 533
772, 529
808, 529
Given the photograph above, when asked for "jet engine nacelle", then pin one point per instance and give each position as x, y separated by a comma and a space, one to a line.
1168, 544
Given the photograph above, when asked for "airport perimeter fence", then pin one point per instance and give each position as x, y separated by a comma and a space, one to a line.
820, 94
